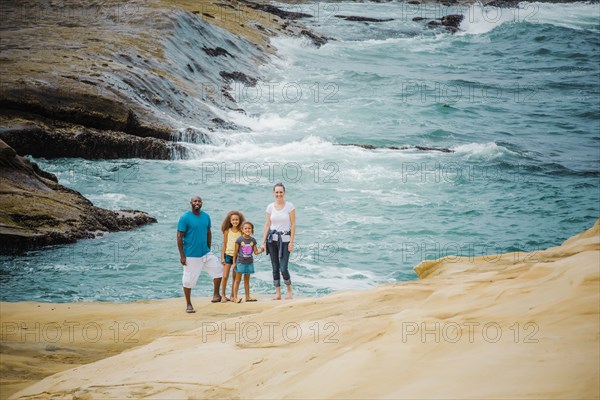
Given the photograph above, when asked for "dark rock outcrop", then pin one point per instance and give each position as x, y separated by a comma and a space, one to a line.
356, 18
275, 10
239, 77
420, 148
318, 40
36, 211
216, 52
452, 20
42, 137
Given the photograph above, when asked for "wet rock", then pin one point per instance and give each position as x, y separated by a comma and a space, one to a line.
427, 148
276, 10
318, 40
239, 77
452, 20
421, 148
356, 18
216, 52
40, 137
36, 211
222, 124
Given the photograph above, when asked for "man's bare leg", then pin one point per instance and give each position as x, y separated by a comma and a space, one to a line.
216, 288
188, 299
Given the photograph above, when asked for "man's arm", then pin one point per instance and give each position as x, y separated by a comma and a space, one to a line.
180, 236
209, 238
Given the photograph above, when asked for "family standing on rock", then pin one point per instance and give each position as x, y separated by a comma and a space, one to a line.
194, 239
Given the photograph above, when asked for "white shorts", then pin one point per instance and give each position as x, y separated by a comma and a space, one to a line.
195, 265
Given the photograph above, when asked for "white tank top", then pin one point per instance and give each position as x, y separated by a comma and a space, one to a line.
280, 219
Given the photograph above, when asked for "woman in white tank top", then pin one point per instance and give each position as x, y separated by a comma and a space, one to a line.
278, 238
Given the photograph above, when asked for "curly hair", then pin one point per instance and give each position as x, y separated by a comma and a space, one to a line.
227, 221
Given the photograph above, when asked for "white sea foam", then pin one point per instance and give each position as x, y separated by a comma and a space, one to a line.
485, 151
323, 276
267, 122
108, 197
578, 16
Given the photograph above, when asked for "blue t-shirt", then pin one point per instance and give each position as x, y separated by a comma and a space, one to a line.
196, 229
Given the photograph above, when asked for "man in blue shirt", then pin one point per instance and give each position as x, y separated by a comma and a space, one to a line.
194, 240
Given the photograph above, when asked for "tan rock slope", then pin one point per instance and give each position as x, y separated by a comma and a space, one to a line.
519, 325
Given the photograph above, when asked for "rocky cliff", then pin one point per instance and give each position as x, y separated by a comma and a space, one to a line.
113, 79
35, 210
127, 72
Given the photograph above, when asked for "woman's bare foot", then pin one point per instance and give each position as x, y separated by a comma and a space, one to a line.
277, 293
289, 291
224, 299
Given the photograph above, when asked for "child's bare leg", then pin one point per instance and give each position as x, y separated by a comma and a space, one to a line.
289, 290
236, 286
247, 285
233, 277
226, 269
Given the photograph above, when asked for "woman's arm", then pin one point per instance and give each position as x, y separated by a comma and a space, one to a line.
292, 229
266, 230
292, 225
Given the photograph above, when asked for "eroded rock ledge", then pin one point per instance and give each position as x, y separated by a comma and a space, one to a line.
139, 69
36, 211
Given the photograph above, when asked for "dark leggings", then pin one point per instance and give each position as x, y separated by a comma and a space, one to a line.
279, 265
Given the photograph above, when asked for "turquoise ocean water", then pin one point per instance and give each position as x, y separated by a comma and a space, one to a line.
515, 94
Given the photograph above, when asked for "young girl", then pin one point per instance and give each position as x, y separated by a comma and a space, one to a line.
231, 231
243, 261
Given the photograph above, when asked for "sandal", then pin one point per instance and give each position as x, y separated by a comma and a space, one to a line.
190, 309
251, 299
